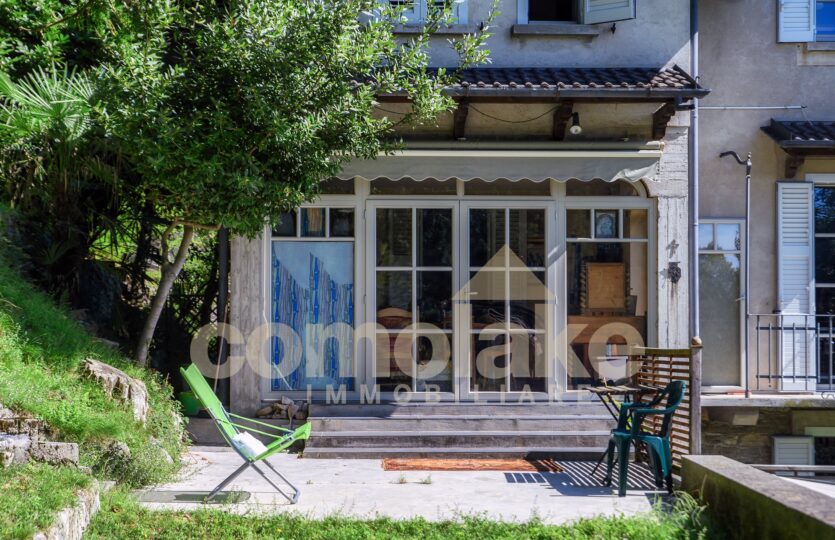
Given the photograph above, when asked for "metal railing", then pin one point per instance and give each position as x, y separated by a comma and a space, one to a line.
791, 352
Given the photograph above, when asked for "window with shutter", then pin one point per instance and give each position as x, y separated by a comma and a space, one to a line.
795, 235
604, 11
415, 11
806, 20
576, 11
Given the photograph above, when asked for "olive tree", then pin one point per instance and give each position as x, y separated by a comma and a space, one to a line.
234, 112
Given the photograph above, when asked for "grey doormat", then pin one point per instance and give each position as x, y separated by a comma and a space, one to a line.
173, 496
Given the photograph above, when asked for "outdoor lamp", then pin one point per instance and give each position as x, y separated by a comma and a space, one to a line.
575, 128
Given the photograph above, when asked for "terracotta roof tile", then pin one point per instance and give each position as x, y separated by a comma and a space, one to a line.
802, 133
618, 79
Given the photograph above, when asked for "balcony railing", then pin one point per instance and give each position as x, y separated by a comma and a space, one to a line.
791, 353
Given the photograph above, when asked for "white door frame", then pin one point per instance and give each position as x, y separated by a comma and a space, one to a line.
371, 207
463, 312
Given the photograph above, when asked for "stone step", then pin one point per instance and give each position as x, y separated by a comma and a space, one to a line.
455, 409
462, 423
563, 453
459, 439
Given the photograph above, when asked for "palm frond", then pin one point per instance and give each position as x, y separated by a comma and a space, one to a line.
54, 101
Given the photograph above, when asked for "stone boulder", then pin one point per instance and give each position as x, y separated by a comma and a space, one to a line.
119, 385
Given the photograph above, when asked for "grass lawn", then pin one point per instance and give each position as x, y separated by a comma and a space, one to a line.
41, 352
121, 518
33, 494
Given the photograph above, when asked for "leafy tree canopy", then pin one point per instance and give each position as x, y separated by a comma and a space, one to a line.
233, 112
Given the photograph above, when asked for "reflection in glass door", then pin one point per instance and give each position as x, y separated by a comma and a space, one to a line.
413, 290
508, 297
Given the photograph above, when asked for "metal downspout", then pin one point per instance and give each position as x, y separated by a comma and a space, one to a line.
693, 202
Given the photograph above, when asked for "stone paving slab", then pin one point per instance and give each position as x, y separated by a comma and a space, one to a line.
360, 488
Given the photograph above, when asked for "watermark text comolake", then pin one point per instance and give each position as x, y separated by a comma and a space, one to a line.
530, 353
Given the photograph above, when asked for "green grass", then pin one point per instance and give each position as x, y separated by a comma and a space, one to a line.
122, 518
41, 353
33, 494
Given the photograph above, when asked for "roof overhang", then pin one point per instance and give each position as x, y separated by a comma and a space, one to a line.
488, 162
549, 84
802, 139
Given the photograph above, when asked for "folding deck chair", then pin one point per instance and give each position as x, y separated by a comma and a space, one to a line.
229, 430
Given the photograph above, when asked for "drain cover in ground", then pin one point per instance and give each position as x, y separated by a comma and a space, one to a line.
442, 464
170, 496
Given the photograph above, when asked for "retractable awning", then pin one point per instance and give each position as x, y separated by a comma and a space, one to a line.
493, 163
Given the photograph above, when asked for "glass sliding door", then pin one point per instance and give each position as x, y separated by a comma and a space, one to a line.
412, 286
607, 288
508, 296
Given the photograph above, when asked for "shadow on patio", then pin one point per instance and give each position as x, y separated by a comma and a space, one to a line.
577, 479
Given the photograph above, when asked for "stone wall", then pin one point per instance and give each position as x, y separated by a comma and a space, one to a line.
744, 433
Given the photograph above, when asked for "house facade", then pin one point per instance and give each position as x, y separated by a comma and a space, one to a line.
511, 254
768, 64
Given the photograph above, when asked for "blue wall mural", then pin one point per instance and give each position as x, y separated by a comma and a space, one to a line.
313, 291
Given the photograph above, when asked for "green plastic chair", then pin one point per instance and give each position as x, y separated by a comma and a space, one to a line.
629, 432
229, 429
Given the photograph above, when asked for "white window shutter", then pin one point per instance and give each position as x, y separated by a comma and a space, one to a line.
796, 21
793, 451
795, 282
605, 11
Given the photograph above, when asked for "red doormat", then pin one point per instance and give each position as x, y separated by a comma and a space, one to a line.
451, 464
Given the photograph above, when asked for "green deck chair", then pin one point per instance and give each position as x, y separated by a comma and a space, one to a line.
629, 431
229, 429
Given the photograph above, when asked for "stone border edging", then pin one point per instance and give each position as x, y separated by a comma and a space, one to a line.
755, 504
71, 522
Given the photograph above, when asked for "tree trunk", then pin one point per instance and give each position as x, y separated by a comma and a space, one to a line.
170, 271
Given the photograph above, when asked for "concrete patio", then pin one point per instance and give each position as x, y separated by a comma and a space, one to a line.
360, 488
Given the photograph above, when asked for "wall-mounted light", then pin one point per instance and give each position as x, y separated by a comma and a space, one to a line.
575, 128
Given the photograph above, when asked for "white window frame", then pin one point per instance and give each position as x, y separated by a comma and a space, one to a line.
829, 181
323, 201
412, 202
743, 246
554, 384
620, 203
420, 11
364, 287
586, 13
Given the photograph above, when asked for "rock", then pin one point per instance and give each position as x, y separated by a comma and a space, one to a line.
286, 401
292, 410
70, 522
119, 385
14, 449
163, 452
56, 453
301, 415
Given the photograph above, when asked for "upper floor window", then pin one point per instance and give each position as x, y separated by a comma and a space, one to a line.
806, 20
576, 11
416, 11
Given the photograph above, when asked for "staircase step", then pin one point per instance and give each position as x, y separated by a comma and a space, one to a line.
584, 453
461, 439
461, 423
386, 410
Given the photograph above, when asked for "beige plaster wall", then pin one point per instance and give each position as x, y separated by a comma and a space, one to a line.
742, 63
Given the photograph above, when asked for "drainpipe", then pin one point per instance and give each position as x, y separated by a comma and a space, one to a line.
693, 200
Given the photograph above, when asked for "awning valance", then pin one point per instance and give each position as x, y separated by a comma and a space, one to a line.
490, 164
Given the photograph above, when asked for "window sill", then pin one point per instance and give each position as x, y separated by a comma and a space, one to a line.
554, 29
452, 29
820, 46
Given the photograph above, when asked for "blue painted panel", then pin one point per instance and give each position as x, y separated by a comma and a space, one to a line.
313, 295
